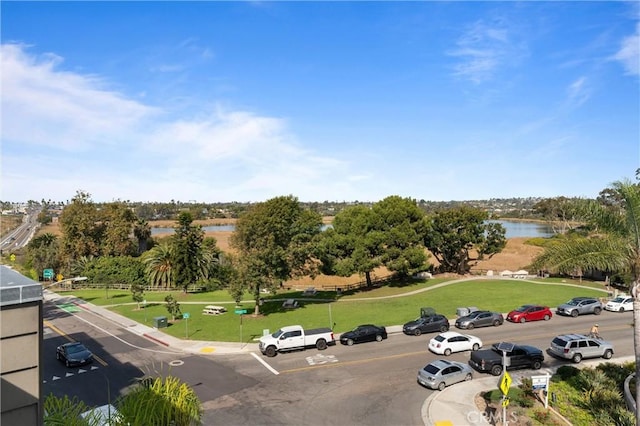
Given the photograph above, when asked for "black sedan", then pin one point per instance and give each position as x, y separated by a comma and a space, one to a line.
428, 324
363, 333
73, 353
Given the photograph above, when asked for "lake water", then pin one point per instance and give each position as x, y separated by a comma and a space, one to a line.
513, 229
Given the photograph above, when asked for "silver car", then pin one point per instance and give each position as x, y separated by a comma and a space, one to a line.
577, 346
442, 373
580, 305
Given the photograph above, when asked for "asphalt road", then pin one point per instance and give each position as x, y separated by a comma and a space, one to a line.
367, 384
20, 236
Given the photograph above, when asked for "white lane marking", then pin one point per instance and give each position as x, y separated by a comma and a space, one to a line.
321, 359
268, 367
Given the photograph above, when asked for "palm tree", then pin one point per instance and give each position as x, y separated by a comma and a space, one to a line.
158, 266
142, 232
612, 244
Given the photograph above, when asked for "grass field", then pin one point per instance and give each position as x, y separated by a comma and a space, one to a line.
388, 305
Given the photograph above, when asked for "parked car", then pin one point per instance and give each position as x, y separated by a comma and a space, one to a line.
429, 324
442, 373
579, 306
452, 341
480, 319
363, 333
73, 353
530, 313
620, 304
294, 337
518, 356
577, 346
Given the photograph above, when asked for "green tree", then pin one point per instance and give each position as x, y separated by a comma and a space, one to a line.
402, 223
274, 240
173, 307
186, 254
82, 231
137, 293
159, 266
43, 252
451, 236
118, 221
142, 232
612, 245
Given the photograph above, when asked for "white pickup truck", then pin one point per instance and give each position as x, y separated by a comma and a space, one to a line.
295, 337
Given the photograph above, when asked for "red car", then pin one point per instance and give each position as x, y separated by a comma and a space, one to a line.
530, 313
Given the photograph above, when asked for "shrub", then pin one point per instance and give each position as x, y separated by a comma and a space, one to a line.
566, 372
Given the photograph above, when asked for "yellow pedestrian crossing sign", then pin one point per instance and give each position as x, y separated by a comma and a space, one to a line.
505, 402
505, 383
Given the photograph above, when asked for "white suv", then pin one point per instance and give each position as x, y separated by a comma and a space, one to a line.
620, 304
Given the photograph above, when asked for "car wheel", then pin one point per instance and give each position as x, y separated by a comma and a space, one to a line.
574, 313
444, 328
447, 352
597, 311
496, 323
349, 342
441, 386
321, 344
607, 354
496, 370
523, 320
577, 358
475, 347
547, 317
536, 365
468, 377
270, 351
470, 326
621, 310
378, 338
417, 332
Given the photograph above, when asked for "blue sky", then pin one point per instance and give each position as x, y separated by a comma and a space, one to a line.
338, 101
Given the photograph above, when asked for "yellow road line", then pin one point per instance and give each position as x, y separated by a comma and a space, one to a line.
69, 338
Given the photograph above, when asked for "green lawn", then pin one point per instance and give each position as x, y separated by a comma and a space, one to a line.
499, 295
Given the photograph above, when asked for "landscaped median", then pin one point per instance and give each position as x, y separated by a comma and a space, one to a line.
390, 305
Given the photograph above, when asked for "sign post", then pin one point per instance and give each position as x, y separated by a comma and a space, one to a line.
505, 382
186, 323
542, 383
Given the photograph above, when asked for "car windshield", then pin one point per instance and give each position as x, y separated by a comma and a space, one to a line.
522, 308
74, 349
618, 300
572, 302
276, 334
431, 369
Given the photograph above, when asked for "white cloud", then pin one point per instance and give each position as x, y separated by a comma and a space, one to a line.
63, 131
629, 53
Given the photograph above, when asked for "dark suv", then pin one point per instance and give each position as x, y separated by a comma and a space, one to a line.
580, 305
577, 346
428, 324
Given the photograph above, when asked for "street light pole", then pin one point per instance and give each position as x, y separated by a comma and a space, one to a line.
73, 280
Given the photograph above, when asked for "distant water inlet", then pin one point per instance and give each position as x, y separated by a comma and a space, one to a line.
513, 229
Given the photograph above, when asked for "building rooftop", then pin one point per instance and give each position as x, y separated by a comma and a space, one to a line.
15, 288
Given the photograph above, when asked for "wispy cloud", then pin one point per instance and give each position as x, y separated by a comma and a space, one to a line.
578, 92
102, 139
629, 53
482, 49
